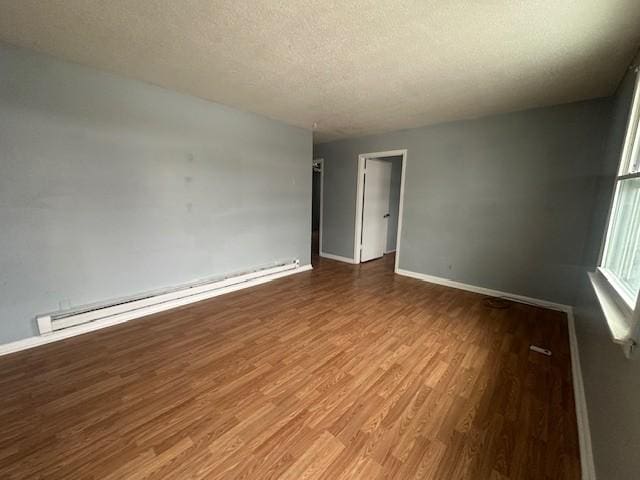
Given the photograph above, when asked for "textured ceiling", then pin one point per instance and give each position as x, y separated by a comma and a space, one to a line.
353, 67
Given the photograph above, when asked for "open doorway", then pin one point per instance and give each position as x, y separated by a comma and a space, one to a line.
379, 198
316, 207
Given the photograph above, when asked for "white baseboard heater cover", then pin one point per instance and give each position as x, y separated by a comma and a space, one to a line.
146, 304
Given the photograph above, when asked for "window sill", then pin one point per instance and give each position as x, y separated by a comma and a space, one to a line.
618, 290
619, 319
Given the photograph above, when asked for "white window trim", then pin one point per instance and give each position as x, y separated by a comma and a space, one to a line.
631, 134
621, 319
621, 311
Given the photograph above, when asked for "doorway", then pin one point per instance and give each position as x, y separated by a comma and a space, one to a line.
375, 208
316, 207
379, 200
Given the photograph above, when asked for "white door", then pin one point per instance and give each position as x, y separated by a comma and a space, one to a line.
375, 211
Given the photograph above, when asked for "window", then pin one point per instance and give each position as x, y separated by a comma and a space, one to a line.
622, 258
617, 280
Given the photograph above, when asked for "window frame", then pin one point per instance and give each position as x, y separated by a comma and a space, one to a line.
620, 309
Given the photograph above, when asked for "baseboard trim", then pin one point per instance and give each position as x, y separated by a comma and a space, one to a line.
338, 258
37, 341
484, 291
582, 415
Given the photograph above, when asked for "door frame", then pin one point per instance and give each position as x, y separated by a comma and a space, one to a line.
357, 239
321, 162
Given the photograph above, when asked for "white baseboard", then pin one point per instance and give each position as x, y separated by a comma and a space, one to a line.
36, 341
484, 291
582, 416
331, 256
393, 250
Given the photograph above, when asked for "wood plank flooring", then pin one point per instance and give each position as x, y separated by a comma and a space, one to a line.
345, 372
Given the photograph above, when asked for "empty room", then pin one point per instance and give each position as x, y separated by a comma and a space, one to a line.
319, 240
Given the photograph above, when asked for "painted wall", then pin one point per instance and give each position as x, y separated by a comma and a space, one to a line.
503, 202
612, 382
111, 187
394, 201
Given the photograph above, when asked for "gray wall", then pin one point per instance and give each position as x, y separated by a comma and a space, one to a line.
503, 202
394, 201
111, 187
612, 383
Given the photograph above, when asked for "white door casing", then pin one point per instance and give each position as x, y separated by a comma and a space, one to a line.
375, 213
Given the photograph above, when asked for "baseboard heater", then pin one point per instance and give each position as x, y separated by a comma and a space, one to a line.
124, 309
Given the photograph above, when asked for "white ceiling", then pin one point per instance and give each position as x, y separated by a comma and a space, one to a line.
354, 67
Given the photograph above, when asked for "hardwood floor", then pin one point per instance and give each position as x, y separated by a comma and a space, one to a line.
344, 372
